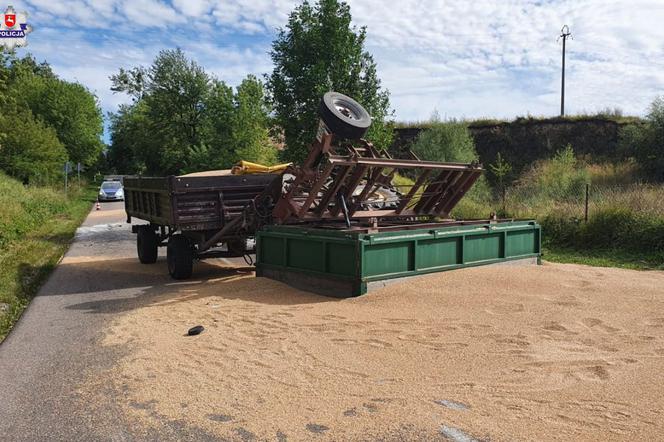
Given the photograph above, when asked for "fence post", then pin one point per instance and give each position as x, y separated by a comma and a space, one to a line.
585, 216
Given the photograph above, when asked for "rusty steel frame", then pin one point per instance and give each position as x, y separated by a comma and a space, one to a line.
328, 177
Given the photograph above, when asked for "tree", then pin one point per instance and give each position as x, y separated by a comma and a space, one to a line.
45, 120
250, 124
448, 141
184, 120
174, 92
218, 126
501, 169
76, 117
31, 151
176, 96
319, 51
648, 142
132, 150
67, 107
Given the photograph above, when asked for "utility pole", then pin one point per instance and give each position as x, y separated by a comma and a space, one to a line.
564, 33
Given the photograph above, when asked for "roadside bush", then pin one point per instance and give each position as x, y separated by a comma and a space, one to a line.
25, 208
612, 228
629, 138
559, 179
560, 230
647, 141
31, 151
448, 141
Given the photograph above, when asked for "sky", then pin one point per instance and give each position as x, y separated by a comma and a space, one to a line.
461, 59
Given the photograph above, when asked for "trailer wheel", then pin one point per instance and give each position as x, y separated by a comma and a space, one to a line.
180, 257
147, 245
344, 116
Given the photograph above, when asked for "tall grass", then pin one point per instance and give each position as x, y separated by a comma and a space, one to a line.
36, 225
626, 217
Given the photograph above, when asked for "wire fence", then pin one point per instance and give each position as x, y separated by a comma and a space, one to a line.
586, 200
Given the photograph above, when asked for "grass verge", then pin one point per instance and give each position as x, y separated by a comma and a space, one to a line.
604, 258
34, 234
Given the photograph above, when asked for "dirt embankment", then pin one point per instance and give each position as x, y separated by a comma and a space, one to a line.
502, 353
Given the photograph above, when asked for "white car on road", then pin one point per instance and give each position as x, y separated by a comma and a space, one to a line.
111, 191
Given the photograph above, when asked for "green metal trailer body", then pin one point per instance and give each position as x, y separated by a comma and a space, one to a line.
344, 263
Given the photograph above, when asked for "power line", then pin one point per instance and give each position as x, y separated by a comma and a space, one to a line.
564, 33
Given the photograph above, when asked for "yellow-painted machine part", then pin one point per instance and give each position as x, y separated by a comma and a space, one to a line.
247, 168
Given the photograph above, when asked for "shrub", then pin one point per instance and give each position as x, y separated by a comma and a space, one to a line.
610, 228
648, 141
31, 151
561, 178
446, 141
25, 208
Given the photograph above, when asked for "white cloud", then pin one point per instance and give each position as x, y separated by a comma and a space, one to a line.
475, 59
465, 59
193, 8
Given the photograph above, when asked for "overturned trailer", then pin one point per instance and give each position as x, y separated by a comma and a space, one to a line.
337, 223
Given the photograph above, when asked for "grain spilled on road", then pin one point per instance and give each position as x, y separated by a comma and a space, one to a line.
501, 353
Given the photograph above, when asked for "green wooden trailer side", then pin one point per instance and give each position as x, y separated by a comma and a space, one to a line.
344, 263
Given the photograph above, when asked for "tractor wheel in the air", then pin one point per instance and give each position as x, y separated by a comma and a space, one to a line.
345, 117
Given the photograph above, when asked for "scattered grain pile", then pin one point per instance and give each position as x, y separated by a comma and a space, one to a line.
502, 353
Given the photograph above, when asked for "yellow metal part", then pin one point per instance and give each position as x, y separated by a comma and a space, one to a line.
247, 168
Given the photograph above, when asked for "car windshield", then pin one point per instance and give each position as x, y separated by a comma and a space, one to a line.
111, 186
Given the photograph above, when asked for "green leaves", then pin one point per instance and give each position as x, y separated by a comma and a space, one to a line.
31, 150
447, 142
184, 120
318, 51
44, 121
501, 168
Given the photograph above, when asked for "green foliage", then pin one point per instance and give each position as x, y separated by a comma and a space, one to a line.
646, 141
171, 97
502, 170
132, 148
604, 258
630, 137
608, 228
448, 141
76, 117
197, 159
250, 124
317, 52
36, 226
69, 108
44, 121
219, 123
30, 150
524, 141
183, 120
561, 178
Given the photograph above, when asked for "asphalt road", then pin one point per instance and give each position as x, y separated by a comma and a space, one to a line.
55, 347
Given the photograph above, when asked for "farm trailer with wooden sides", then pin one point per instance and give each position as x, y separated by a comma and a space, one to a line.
184, 212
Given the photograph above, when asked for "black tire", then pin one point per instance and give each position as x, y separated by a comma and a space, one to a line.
180, 257
237, 246
345, 117
147, 245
